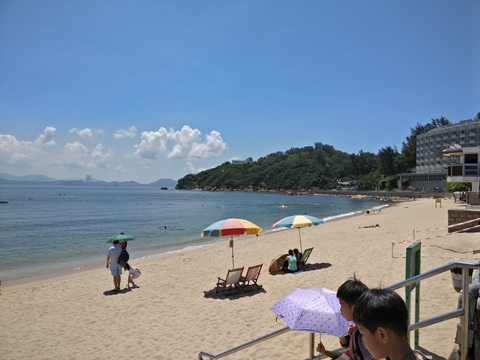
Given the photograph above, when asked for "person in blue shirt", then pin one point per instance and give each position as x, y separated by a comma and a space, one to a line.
115, 269
290, 264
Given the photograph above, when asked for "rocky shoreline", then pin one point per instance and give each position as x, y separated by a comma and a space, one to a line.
361, 195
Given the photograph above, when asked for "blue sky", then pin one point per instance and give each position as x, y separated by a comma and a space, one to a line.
142, 90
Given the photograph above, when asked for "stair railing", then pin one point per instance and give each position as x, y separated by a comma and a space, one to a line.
421, 324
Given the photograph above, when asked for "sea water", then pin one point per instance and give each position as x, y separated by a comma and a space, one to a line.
49, 230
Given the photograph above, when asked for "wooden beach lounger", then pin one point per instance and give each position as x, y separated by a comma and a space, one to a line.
252, 275
305, 256
231, 282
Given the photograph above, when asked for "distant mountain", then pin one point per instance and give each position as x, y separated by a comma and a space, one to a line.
35, 178
169, 183
42, 179
83, 179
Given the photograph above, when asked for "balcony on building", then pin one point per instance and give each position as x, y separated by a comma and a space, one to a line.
463, 164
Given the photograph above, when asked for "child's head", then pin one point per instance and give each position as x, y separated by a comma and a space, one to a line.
127, 267
382, 317
348, 293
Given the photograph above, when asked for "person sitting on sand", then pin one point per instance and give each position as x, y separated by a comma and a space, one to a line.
133, 273
298, 256
382, 318
290, 264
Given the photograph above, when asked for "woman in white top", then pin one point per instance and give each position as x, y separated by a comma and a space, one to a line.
133, 273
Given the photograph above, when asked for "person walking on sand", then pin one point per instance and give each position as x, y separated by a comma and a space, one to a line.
133, 273
115, 269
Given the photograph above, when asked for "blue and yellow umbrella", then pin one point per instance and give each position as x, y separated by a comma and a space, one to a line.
298, 221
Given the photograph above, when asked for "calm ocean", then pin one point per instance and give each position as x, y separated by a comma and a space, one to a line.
48, 230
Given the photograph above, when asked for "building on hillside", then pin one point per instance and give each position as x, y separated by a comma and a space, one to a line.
347, 185
430, 174
465, 134
248, 160
464, 166
429, 182
88, 180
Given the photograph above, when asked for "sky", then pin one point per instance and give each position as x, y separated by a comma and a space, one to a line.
142, 90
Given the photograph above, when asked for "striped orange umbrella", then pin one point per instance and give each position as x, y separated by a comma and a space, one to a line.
232, 227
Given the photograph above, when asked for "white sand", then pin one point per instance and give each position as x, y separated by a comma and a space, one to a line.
175, 313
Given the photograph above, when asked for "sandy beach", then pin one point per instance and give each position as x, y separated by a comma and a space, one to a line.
175, 312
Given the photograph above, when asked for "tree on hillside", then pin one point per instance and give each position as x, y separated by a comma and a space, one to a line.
409, 146
316, 167
386, 160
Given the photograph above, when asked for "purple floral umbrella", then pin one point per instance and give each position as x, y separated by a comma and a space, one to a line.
312, 310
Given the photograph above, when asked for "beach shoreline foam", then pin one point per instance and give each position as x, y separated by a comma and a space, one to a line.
175, 312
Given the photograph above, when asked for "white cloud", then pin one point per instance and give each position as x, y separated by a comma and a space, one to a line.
47, 138
100, 157
23, 153
214, 146
76, 155
186, 144
85, 134
192, 170
153, 144
122, 133
121, 169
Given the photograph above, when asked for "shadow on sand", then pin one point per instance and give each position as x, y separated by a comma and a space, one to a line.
309, 267
117, 292
234, 294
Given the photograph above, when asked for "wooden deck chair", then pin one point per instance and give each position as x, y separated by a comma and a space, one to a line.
231, 281
252, 275
306, 254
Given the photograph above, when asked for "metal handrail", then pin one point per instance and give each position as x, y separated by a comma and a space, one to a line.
421, 324
243, 346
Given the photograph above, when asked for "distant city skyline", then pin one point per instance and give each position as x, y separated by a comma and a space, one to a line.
138, 91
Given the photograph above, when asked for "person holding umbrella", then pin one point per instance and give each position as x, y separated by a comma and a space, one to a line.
348, 293
115, 269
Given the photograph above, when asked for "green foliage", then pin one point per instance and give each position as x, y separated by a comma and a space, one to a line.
369, 181
458, 186
321, 167
409, 146
388, 183
296, 169
386, 160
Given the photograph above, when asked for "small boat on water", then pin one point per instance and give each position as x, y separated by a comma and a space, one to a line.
3, 201
164, 188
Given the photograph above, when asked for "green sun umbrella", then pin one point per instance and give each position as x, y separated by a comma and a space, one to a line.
121, 238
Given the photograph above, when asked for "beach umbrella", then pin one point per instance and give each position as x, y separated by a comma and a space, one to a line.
277, 263
231, 227
121, 238
312, 310
298, 221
